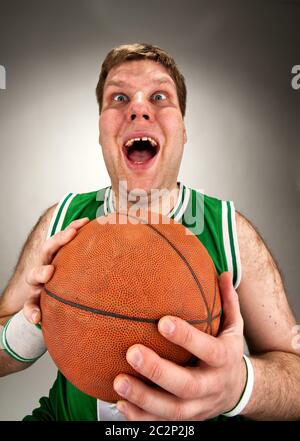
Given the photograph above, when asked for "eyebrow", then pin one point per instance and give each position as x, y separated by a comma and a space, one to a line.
120, 83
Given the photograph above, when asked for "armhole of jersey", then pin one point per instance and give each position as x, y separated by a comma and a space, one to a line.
59, 214
230, 242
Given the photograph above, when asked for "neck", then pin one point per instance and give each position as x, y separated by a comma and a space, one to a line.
157, 200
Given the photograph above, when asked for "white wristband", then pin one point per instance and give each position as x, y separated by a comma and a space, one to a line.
240, 406
22, 340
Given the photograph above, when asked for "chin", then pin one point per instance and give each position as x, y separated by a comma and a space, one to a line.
145, 184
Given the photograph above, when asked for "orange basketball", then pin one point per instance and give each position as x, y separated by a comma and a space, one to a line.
112, 283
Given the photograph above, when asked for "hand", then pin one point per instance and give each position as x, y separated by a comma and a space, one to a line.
42, 273
204, 391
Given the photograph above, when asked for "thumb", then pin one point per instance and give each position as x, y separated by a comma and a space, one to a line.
232, 320
31, 310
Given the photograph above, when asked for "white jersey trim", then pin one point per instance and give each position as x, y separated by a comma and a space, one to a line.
62, 215
235, 270
184, 205
236, 246
226, 241
106, 197
178, 202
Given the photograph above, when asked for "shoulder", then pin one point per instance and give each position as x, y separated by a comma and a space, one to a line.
40, 229
264, 305
256, 259
245, 230
254, 251
74, 206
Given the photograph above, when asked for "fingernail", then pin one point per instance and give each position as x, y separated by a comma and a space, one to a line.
167, 326
121, 407
135, 358
34, 316
122, 387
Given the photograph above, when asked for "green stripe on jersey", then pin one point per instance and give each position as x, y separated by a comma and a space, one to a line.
180, 203
234, 265
53, 231
85, 205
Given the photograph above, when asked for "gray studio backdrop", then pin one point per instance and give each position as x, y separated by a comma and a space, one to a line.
242, 119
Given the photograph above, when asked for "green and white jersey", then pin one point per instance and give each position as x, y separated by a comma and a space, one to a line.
210, 219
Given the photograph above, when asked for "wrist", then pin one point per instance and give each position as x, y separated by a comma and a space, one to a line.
22, 340
246, 391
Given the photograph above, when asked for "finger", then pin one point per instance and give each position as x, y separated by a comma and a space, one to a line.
207, 348
78, 223
54, 243
134, 413
233, 321
32, 310
179, 381
154, 401
40, 275
170, 376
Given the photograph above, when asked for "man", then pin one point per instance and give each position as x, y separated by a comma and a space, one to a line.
141, 96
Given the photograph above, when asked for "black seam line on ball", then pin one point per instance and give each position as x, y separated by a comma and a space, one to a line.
144, 222
187, 264
119, 316
215, 297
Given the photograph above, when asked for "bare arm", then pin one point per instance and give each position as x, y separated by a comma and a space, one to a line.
14, 295
33, 270
268, 325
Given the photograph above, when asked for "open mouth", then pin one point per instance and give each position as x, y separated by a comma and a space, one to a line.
140, 151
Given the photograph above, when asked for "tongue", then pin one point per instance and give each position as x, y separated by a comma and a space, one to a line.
140, 155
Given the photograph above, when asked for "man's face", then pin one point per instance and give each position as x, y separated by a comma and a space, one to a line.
142, 132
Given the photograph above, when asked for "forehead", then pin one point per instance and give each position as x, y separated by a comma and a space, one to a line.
139, 71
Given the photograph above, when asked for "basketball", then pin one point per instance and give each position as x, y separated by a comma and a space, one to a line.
112, 283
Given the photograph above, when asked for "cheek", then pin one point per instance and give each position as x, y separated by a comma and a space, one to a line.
109, 123
174, 126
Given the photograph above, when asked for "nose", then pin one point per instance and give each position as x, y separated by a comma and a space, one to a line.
134, 115
139, 108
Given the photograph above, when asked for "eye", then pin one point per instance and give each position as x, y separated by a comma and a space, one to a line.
159, 96
120, 97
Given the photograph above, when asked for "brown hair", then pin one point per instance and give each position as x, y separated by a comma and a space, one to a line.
142, 51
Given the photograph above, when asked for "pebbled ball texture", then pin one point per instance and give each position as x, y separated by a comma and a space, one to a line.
112, 283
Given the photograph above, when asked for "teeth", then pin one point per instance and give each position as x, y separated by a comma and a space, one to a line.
145, 138
129, 142
153, 142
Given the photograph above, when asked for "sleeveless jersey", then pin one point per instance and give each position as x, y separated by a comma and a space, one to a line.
210, 219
